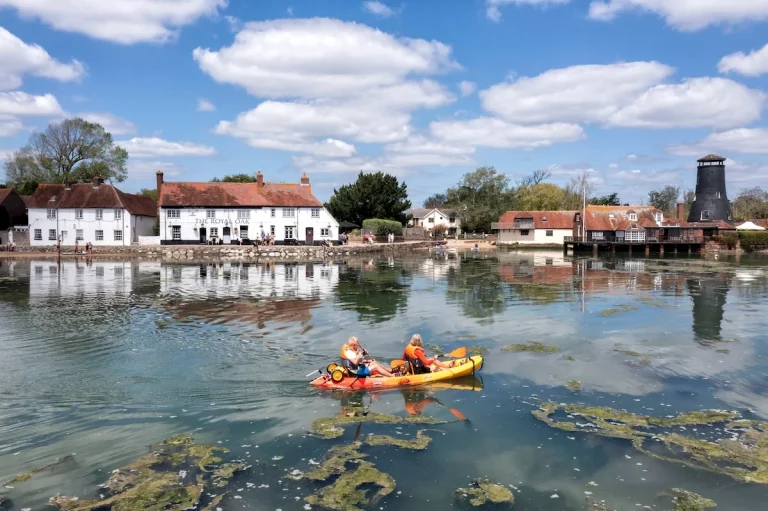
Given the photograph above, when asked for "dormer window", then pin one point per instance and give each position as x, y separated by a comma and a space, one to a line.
543, 219
578, 217
659, 217
706, 215
633, 217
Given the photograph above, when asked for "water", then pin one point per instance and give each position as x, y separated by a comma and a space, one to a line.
100, 360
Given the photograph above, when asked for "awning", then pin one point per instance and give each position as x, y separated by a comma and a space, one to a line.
749, 226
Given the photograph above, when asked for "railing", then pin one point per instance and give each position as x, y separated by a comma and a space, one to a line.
654, 239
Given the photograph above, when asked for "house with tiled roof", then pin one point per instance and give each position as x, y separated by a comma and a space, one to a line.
429, 218
533, 227
88, 212
232, 213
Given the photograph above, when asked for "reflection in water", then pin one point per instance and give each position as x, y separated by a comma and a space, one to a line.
102, 358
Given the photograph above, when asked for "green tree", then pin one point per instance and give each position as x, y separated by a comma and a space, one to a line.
664, 199
541, 197
149, 192
73, 150
435, 201
374, 195
688, 198
606, 200
751, 203
480, 198
235, 178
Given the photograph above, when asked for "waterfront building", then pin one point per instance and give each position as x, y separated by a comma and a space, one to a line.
710, 203
13, 215
429, 218
83, 212
534, 227
231, 213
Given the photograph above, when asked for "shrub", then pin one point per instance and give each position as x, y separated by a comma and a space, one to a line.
753, 240
727, 239
383, 227
439, 231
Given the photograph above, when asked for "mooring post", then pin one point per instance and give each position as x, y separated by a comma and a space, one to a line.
647, 250
661, 250
594, 250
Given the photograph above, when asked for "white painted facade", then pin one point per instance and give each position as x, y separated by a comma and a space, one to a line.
198, 225
437, 217
102, 227
533, 236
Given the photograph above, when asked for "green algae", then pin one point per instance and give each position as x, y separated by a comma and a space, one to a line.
436, 349
346, 494
655, 302
477, 351
26, 477
574, 386
644, 359
214, 503
336, 460
418, 443
685, 500
723, 351
569, 358
205, 453
533, 346
618, 310
223, 473
483, 491
328, 427
741, 452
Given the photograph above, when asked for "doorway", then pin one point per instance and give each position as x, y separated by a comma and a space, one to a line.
203, 235
227, 233
310, 236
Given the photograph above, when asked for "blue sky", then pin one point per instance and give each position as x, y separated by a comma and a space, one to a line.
631, 91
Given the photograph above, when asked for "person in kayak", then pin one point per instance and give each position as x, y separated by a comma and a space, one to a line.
415, 355
353, 358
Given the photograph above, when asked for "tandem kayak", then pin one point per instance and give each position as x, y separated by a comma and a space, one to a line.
462, 367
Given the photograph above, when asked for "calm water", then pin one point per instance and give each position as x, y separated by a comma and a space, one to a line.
100, 360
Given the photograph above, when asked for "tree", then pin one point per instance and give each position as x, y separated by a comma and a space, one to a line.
664, 199
149, 192
235, 178
688, 198
538, 176
374, 195
751, 203
606, 200
480, 198
542, 197
73, 150
435, 201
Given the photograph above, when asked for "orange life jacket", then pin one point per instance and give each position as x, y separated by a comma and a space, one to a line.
346, 362
412, 356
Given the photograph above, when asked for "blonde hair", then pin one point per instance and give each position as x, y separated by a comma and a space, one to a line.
353, 340
416, 340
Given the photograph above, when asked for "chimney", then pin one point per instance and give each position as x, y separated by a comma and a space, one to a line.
97, 180
305, 181
680, 210
159, 174
259, 179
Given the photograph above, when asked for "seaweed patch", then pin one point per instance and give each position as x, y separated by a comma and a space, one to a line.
346, 494
533, 346
483, 491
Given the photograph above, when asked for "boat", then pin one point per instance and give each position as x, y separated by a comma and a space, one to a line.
462, 367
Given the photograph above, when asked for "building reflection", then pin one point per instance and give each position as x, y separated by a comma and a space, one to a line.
709, 296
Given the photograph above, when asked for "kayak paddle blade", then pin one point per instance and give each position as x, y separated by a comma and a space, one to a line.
458, 352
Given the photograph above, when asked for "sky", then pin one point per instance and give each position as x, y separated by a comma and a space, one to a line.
630, 91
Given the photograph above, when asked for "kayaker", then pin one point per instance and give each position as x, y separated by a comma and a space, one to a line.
416, 356
353, 358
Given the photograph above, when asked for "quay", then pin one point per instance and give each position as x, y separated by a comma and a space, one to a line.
689, 245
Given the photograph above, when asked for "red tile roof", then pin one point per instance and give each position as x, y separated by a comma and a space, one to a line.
541, 219
86, 196
616, 218
186, 194
5, 192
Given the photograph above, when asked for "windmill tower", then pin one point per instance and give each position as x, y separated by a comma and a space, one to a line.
711, 202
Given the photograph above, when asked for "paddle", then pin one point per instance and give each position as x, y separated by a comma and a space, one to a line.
454, 411
457, 353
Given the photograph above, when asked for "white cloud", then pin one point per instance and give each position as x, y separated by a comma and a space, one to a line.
379, 9
118, 21
754, 64
742, 140
113, 124
586, 93
312, 58
492, 132
22, 104
641, 176
144, 169
613, 165
203, 105
696, 102
19, 58
466, 88
494, 13
157, 147
10, 125
686, 15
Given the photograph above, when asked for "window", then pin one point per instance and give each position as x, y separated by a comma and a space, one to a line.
214, 231
272, 212
52, 234
244, 232
51, 213
210, 213
118, 214
638, 235
289, 212
717, 195
633, 216
324, 231
432, 220
597, 235
99, 235
452, 219
119, 235
706, 215
79, 235
38, 234
524, 232
63, 235
543, 219
289, 232
78, 214
578, 217
176, 232
173, 213
99, 214
315, 212
550, 233
272, 230
244, 214
659, 217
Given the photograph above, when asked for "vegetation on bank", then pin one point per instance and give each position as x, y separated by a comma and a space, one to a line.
381, 227
747, 240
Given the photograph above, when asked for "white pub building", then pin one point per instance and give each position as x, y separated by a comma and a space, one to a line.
88, 212
230, 213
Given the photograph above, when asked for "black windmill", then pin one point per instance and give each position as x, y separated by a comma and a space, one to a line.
711, 202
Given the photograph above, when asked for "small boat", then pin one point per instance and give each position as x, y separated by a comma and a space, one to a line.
461, 367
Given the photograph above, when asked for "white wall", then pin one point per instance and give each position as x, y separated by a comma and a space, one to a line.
66, 225
437, 218
535, 236
142, 226
192, 219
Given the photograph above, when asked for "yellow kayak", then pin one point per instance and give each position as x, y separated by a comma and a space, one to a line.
461, 367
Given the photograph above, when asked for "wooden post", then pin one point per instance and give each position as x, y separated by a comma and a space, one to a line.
675, 249
690, 249
594, 250
647, 250
613, 250
630, 250
661, 250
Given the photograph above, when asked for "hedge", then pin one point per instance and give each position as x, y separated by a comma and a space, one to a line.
383, 227
753, 240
